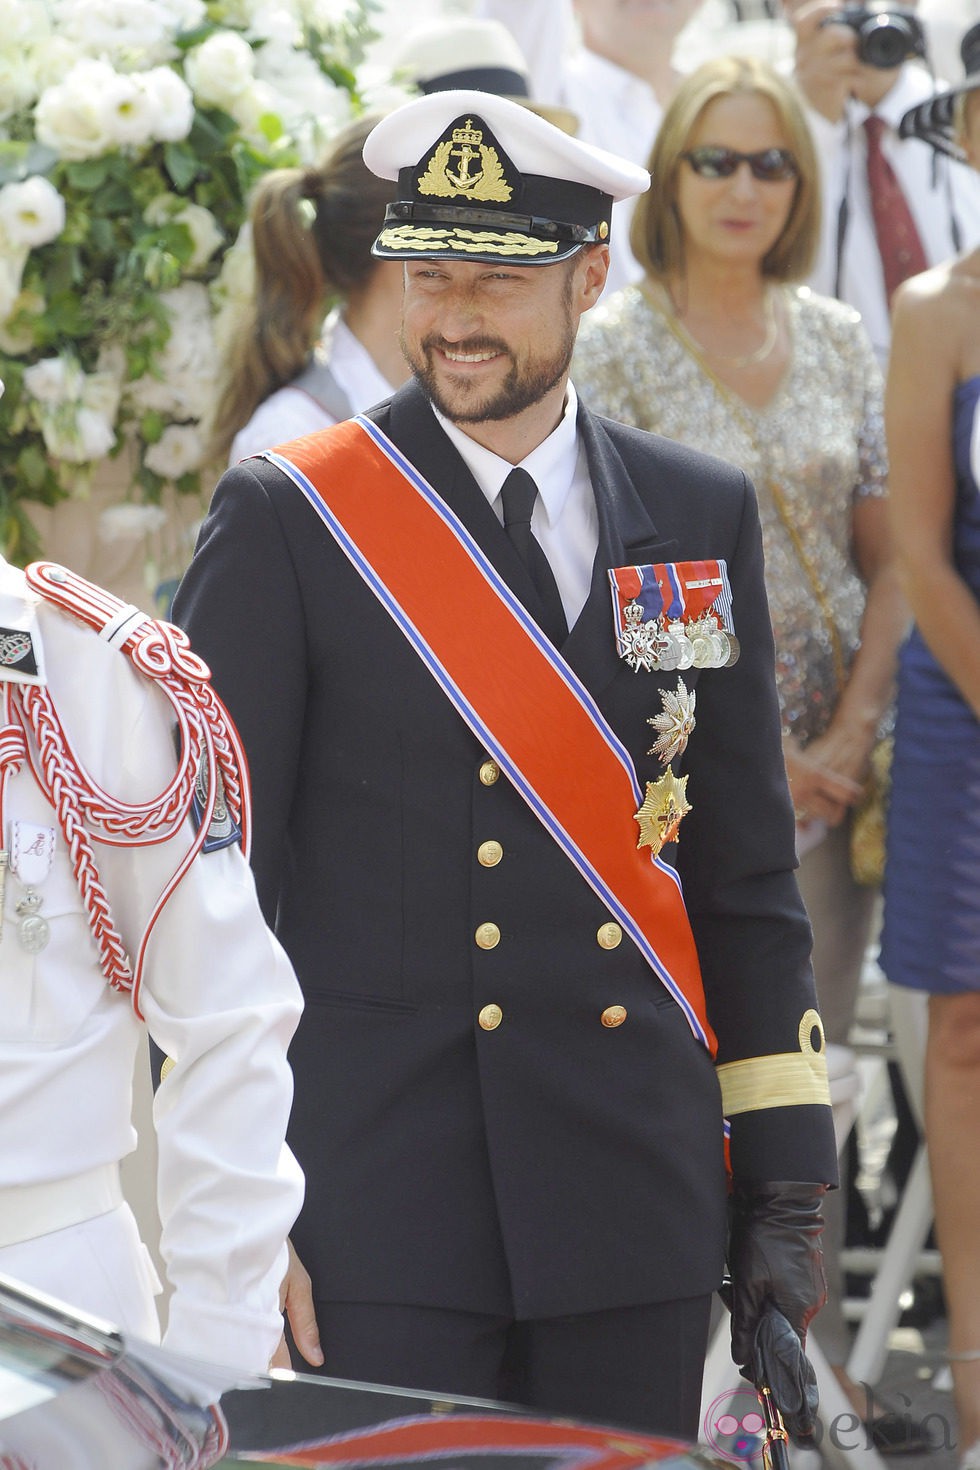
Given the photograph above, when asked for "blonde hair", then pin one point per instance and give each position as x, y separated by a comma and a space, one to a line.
657, 235
312, 232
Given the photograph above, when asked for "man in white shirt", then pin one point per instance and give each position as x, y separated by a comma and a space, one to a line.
841, 92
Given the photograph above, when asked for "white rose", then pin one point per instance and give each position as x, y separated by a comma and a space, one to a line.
23, 23
18, 85
52, 61
133, 34
18, 343
250, 107
273, 22
187, 368
174, 102
54, 380
11, 270
129, 522
302, 91
131, 111
179, 449
75, 434
204, 230
32, 212
220, 69
71, 118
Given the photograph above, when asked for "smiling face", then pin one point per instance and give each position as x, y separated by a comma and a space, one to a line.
492, 343
734, 220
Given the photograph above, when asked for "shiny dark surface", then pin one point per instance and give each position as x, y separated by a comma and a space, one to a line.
76, 1394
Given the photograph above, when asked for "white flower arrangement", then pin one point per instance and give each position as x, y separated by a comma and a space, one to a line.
131, 133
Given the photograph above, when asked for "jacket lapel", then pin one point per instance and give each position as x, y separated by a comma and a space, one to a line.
627, 537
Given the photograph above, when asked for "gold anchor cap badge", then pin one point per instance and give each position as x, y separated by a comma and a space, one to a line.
463, 166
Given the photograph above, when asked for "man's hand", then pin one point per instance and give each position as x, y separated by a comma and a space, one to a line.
827, 65
296, 1301
774, 1256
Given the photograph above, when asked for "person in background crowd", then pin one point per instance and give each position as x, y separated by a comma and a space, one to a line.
124, 899
506, 1103
891, 207
289, 372
721, 348
617, 82
932, 912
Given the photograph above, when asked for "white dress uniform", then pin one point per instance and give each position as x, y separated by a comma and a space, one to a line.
218, 996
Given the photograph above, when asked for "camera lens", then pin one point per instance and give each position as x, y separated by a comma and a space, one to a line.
885, 40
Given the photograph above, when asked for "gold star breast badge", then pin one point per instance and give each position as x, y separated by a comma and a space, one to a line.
664, 808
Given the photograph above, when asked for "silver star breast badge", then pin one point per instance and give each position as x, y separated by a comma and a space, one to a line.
674, 724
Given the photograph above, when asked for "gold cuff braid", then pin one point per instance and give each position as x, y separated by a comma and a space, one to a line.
783, 1080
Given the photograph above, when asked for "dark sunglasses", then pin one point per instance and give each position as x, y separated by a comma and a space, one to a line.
770, 165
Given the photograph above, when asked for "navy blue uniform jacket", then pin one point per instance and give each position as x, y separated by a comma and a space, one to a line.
551, 1165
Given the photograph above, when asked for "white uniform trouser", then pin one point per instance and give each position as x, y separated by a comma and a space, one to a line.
99, 1266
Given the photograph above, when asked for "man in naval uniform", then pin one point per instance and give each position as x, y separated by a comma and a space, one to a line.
522, 823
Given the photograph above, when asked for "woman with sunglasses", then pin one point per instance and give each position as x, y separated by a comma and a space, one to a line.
719, 348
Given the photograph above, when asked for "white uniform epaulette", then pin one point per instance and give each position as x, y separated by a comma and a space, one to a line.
211, 779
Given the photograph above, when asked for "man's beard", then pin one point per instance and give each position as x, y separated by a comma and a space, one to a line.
518, 391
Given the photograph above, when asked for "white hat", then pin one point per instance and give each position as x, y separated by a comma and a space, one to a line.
483, 178
469, 53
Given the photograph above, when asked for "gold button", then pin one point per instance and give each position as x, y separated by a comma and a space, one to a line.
603, 230
488, 936
609, 935
613, 1016
490, 1017
489, 772
489, 854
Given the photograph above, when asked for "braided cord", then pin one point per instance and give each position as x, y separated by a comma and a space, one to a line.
208, 739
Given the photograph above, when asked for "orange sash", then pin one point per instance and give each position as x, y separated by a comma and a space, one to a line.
524, 704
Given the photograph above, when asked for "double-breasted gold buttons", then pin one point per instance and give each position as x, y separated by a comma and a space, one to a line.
488, 936
490, 1017
613, 1016
489, 854
489, 773
609, 935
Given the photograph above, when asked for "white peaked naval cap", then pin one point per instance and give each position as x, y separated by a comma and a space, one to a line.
483, 178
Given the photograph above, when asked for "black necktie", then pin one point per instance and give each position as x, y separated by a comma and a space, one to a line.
517, 496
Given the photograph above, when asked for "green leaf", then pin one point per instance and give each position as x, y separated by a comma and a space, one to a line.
152, 425
20, 160
32, 467
88, 175
182, 165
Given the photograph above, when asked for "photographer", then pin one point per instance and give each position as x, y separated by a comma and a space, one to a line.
891, 207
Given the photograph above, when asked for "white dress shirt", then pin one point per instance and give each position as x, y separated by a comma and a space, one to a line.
937, 190
564, 520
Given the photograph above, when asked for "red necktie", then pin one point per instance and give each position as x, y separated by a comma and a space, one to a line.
899, 244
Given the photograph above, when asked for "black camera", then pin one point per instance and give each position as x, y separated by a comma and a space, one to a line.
886, 38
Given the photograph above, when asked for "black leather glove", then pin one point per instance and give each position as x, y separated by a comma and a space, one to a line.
775, 1260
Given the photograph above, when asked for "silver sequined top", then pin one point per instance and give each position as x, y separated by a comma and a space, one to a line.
821, 437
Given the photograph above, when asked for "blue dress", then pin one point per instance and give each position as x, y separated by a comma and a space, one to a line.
931, 935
